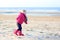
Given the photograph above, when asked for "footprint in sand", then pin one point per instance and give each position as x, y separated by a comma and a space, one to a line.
47, 36
30, 30
19, 37
30, 35
41, 32
57, 35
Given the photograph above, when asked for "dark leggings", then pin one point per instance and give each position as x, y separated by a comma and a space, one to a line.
19, 27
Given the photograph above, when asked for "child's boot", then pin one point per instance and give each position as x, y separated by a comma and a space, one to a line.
15, 32
20, 33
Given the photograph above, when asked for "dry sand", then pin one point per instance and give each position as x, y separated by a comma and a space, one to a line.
38, 28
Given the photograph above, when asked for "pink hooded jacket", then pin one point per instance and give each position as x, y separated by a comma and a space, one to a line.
21, 18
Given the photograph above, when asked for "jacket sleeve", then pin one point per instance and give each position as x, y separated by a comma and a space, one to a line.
25, 19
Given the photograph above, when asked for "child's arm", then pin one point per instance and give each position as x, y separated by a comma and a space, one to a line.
25, 19
25, 22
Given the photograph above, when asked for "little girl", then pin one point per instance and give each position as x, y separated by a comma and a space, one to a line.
20, 19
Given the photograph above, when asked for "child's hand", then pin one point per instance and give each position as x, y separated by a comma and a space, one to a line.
25, 22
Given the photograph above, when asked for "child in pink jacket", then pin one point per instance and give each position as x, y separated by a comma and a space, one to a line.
20, 19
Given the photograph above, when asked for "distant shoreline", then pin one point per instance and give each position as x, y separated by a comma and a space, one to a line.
34, 13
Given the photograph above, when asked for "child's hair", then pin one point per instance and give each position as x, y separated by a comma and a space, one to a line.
22, 10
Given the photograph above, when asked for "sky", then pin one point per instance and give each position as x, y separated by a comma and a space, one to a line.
29, 3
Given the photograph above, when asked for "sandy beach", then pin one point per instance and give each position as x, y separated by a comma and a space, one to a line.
38, 28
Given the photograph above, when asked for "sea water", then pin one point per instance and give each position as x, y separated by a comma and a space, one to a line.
35, 14
34, 11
